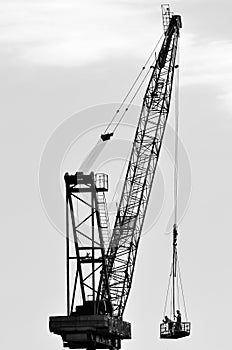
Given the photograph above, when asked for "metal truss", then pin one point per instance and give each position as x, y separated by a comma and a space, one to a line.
140, 174
85, 247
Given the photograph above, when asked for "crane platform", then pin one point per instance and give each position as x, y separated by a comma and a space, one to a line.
86, 331
176, 331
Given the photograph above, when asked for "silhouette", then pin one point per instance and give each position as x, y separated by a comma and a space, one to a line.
178, 321
170, 324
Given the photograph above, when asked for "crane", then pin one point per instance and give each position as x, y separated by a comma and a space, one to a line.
100, 265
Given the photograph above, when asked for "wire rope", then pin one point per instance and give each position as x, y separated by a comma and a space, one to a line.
166, 299
171, 304
175, 182
132, 99
182, 291
178, 289
176, 140
133, 85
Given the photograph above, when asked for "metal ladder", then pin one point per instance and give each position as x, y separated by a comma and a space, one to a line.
104, 218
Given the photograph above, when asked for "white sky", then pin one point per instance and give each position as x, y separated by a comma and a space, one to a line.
59, 57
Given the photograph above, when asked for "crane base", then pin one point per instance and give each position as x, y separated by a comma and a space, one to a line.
90, 331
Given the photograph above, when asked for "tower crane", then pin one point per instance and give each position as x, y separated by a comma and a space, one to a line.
99, 266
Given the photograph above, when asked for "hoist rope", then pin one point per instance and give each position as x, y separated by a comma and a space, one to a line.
166, 299
171, 304
131, 88
176, 140
178, 291
174, 276
182, 291
175, 268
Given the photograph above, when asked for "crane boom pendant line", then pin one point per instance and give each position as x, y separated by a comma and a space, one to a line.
140, 173
130, 91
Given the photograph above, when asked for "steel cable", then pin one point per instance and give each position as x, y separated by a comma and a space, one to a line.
131, 88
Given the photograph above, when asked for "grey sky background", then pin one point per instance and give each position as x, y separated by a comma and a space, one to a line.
59, 57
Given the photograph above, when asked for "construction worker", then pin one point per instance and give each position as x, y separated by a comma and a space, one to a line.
170, 324
178, 320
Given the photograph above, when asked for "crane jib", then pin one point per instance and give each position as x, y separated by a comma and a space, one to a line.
140, 173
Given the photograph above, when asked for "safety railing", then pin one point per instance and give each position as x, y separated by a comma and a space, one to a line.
101, 182
175, 329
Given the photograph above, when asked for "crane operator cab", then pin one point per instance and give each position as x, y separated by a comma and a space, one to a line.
174, 329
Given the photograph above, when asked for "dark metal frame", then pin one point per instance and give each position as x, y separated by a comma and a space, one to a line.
178, 330
140, 174
89, 258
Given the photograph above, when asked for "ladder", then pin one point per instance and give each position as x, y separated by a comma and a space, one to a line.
104, 218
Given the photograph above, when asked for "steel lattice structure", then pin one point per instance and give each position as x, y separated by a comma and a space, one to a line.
140, 173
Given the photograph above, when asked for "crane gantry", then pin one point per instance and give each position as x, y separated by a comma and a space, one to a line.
100, 267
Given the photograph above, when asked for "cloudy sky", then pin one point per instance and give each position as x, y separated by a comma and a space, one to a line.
62, 57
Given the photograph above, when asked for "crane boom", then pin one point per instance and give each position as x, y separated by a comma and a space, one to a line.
140, 173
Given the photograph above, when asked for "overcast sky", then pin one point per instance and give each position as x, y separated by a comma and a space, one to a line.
61, 57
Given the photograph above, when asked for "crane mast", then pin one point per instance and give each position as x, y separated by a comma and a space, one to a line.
140, 173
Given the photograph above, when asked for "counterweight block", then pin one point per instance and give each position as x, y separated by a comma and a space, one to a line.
90, 331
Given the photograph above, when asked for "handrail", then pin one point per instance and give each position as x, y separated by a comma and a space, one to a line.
174, 327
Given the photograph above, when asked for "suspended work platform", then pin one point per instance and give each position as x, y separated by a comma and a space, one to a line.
174, 330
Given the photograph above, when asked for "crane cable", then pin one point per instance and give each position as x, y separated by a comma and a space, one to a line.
175, 233
182, 291
131, 88
167, 293
132, 99
176, 183
178, 291
176, 141
176, 144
